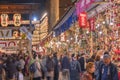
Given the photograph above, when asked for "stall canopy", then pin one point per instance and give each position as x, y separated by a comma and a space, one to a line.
71, 16
64, 24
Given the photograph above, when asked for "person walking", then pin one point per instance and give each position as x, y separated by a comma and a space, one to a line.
82, 61
107, 71
75, 68
37, 75
56, 66
88, 74
65, 66
50, 67
10, 68
2, 71
22, 62
18, 75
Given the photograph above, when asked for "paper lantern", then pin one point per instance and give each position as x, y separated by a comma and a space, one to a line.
4, 20
17, 19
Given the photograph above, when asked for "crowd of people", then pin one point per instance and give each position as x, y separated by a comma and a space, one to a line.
57, 67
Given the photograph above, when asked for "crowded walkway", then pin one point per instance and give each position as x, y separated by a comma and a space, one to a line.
54, 66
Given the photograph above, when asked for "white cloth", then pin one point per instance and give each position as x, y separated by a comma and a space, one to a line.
21, 77
18, 76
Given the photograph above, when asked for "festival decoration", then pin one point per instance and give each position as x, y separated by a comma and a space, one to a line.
17, 19
63, 37
82, 5
92, 24
83, 20
4, 20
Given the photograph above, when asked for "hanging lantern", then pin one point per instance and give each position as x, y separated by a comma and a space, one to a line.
4, 20
17, 19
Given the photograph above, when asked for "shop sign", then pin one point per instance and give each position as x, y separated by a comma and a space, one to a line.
4, 20
92, 24
6, 33
83, 19
4, 44
17, 19
82, 5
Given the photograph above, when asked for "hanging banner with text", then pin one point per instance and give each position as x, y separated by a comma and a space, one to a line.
83, 20
92, 24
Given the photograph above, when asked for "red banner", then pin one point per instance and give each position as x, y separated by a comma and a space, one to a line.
92, 24
83, 20
118, 25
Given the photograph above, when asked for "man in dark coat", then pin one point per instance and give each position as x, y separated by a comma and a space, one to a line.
107, 70
82, 62
56, 66
65, 66
75, 68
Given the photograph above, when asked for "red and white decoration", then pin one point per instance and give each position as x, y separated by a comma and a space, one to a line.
92, 24
83, 20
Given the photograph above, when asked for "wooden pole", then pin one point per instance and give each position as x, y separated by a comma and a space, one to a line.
54, 12
91, 44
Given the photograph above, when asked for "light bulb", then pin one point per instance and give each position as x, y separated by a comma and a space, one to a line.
87, 32
100, 32
103, 22
111, 23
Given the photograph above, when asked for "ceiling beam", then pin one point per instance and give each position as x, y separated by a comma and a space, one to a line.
19, 8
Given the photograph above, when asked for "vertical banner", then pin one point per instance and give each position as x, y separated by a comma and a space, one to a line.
4, 20
92, 24
17, 19
83, 20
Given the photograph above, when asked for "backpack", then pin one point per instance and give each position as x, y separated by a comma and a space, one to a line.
32, 68
75, 66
